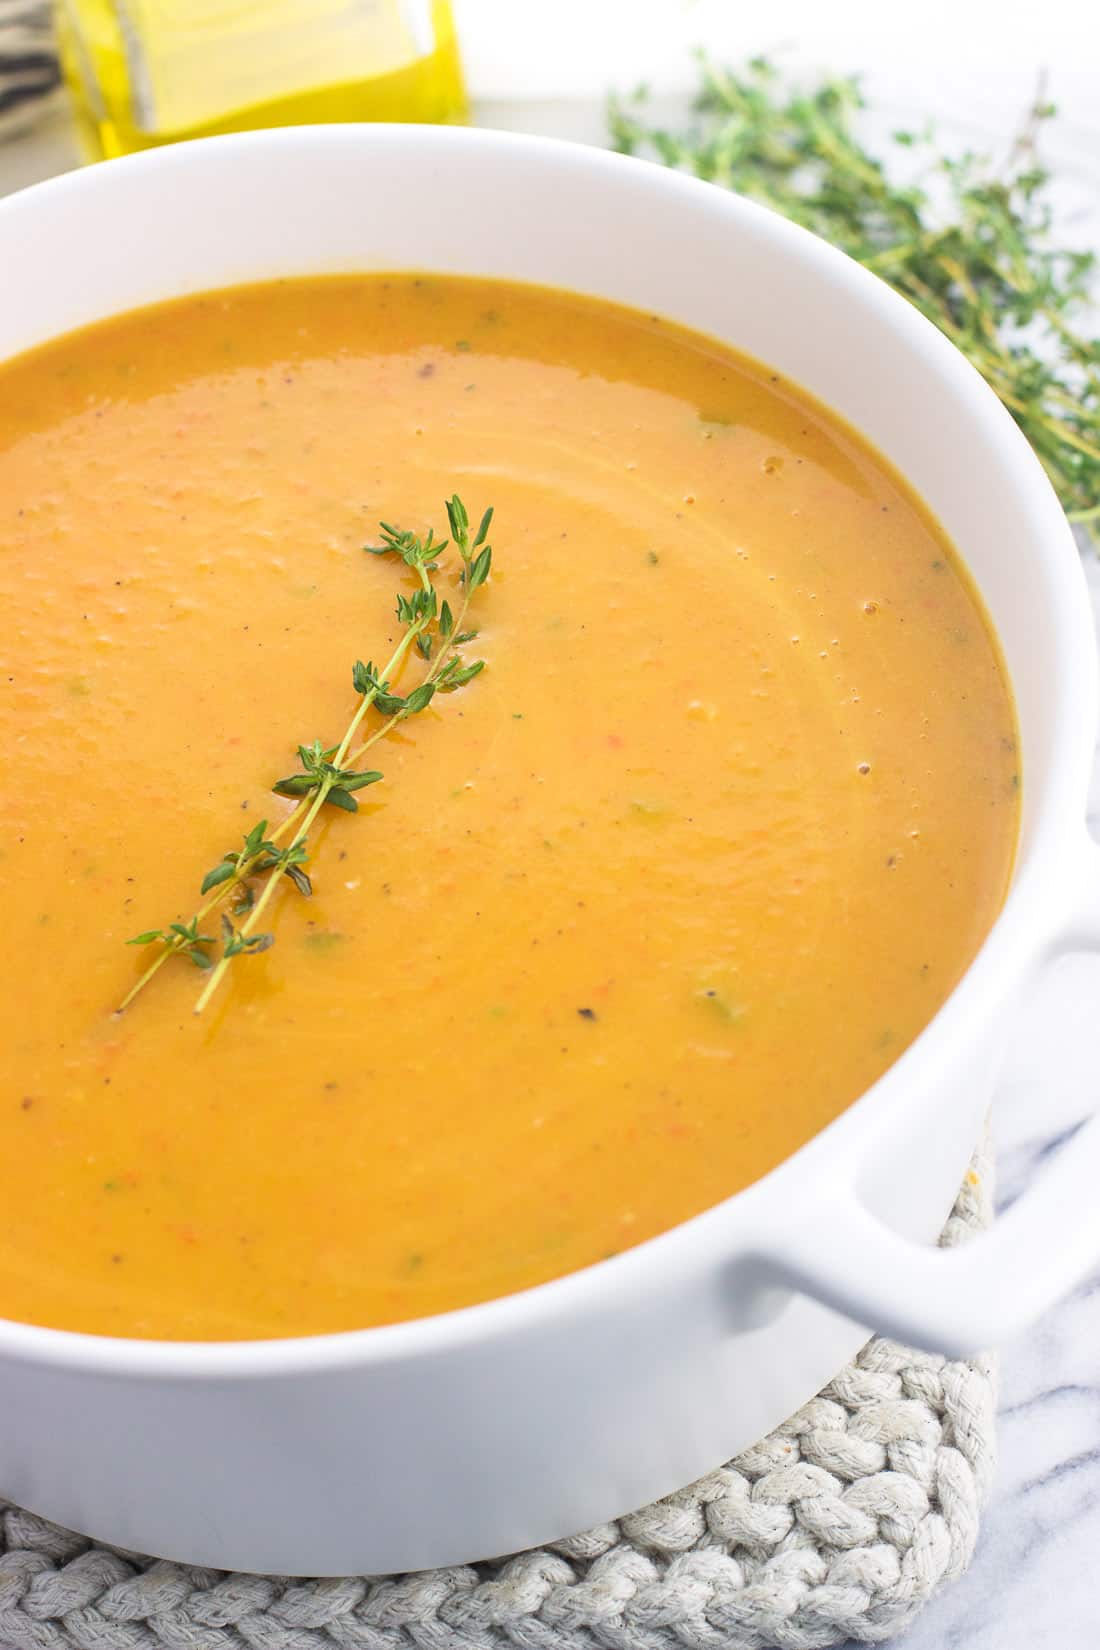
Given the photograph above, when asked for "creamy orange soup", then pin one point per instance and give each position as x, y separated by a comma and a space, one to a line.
629, 919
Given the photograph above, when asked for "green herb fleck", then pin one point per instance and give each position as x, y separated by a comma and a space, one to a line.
720, 1005
324, 940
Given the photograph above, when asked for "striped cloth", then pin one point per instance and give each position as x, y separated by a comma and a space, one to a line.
29, 74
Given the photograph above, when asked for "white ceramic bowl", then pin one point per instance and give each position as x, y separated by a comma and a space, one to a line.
515, 1422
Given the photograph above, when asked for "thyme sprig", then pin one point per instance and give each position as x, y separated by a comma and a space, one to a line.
328, 775
971, 244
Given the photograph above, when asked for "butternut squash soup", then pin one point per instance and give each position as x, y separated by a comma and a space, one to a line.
631, 914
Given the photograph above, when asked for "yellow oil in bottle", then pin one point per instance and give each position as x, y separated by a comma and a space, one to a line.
146, 72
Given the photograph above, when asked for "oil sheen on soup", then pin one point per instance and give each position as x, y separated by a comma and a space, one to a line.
628, 919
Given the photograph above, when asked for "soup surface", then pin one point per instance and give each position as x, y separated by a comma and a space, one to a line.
630, 917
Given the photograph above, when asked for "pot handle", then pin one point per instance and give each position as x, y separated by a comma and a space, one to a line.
961, 1300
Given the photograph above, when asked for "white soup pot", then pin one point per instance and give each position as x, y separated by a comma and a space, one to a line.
509, 1424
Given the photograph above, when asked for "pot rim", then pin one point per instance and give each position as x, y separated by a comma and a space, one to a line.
1037, 902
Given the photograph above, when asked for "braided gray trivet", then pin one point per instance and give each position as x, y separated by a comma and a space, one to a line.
840, 1525
28, 63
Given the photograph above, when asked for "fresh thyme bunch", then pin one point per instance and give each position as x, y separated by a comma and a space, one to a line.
970, 244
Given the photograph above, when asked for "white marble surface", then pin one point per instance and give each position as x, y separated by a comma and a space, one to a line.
1035, 1581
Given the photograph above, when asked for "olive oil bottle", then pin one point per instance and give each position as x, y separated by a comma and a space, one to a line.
145, 72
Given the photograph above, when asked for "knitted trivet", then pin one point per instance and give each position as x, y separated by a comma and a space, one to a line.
840, 1525
28, 63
